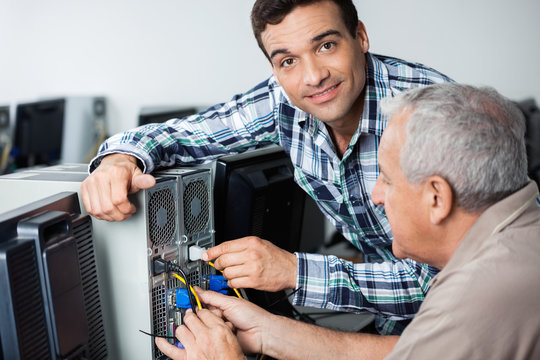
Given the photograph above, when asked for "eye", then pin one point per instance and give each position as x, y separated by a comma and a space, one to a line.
383, 179
288, 62
328, 46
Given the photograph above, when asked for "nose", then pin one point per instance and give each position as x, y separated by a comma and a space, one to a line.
314, 72
377, 194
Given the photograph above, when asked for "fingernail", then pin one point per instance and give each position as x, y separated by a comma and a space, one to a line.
204, 256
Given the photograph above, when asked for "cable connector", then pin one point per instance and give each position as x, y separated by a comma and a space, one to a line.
217, 283
195, 252
182, 299
160, 266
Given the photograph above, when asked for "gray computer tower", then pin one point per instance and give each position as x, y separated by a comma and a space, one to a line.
171, 216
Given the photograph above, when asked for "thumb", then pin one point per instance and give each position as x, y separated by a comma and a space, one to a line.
141, 181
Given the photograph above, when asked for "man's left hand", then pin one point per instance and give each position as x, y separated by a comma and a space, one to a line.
205, 336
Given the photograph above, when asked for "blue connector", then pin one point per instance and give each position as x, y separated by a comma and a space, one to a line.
182, 299
218, 283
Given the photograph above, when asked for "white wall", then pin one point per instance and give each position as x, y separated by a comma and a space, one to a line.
185, 52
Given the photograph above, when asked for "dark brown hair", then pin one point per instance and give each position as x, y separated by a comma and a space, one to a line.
272, 12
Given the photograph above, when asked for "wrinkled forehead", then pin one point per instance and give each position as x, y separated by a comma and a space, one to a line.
394, 135
302, 25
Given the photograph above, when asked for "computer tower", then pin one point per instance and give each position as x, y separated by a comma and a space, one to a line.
50, 307
61, 130
171, 216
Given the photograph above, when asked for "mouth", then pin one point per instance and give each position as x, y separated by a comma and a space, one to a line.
324, 95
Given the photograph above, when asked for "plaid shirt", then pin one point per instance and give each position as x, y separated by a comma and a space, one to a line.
384, 285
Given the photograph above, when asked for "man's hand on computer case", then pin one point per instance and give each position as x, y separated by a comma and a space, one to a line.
251, 262
204, 336
105, 192
210, 333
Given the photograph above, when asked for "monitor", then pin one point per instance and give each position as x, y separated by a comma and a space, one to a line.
160, 114
38, 133
255, 194
50, 305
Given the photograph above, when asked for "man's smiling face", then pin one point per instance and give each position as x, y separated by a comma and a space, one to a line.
318, 63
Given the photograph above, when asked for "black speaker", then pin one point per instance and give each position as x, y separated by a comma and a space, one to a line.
4, 118
5, 138
100, 107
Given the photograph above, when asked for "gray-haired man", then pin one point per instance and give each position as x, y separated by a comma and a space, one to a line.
455, 189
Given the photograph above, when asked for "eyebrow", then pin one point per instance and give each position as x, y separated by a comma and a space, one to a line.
325, 34
314, 40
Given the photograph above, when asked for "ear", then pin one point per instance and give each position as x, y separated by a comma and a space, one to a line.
361, 36
440, 199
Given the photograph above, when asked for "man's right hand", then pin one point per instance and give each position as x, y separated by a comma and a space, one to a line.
251, 262
105, 192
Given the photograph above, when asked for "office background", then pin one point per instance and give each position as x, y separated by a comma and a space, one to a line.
183, 52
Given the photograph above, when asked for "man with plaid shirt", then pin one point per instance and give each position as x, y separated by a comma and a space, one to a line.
322, 106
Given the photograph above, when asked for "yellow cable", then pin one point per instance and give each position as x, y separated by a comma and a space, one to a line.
237, 293
191, 288
235, 290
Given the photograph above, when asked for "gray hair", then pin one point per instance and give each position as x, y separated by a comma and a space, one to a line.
472, 137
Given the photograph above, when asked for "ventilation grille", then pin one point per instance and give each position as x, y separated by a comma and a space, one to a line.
195, 277
82, 230
196, 207
28, 307
159, 314
197, 274
159, 311
161, 217
173, 283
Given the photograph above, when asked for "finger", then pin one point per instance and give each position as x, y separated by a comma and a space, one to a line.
186, 337
91, 197
215, 299
225, 248
119, 187
215, 310
85, 197
98, 208
209, 319
170, 350
231, 272
103, 204
230, 326
142, 181
193, 322
225, 261
244, 282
